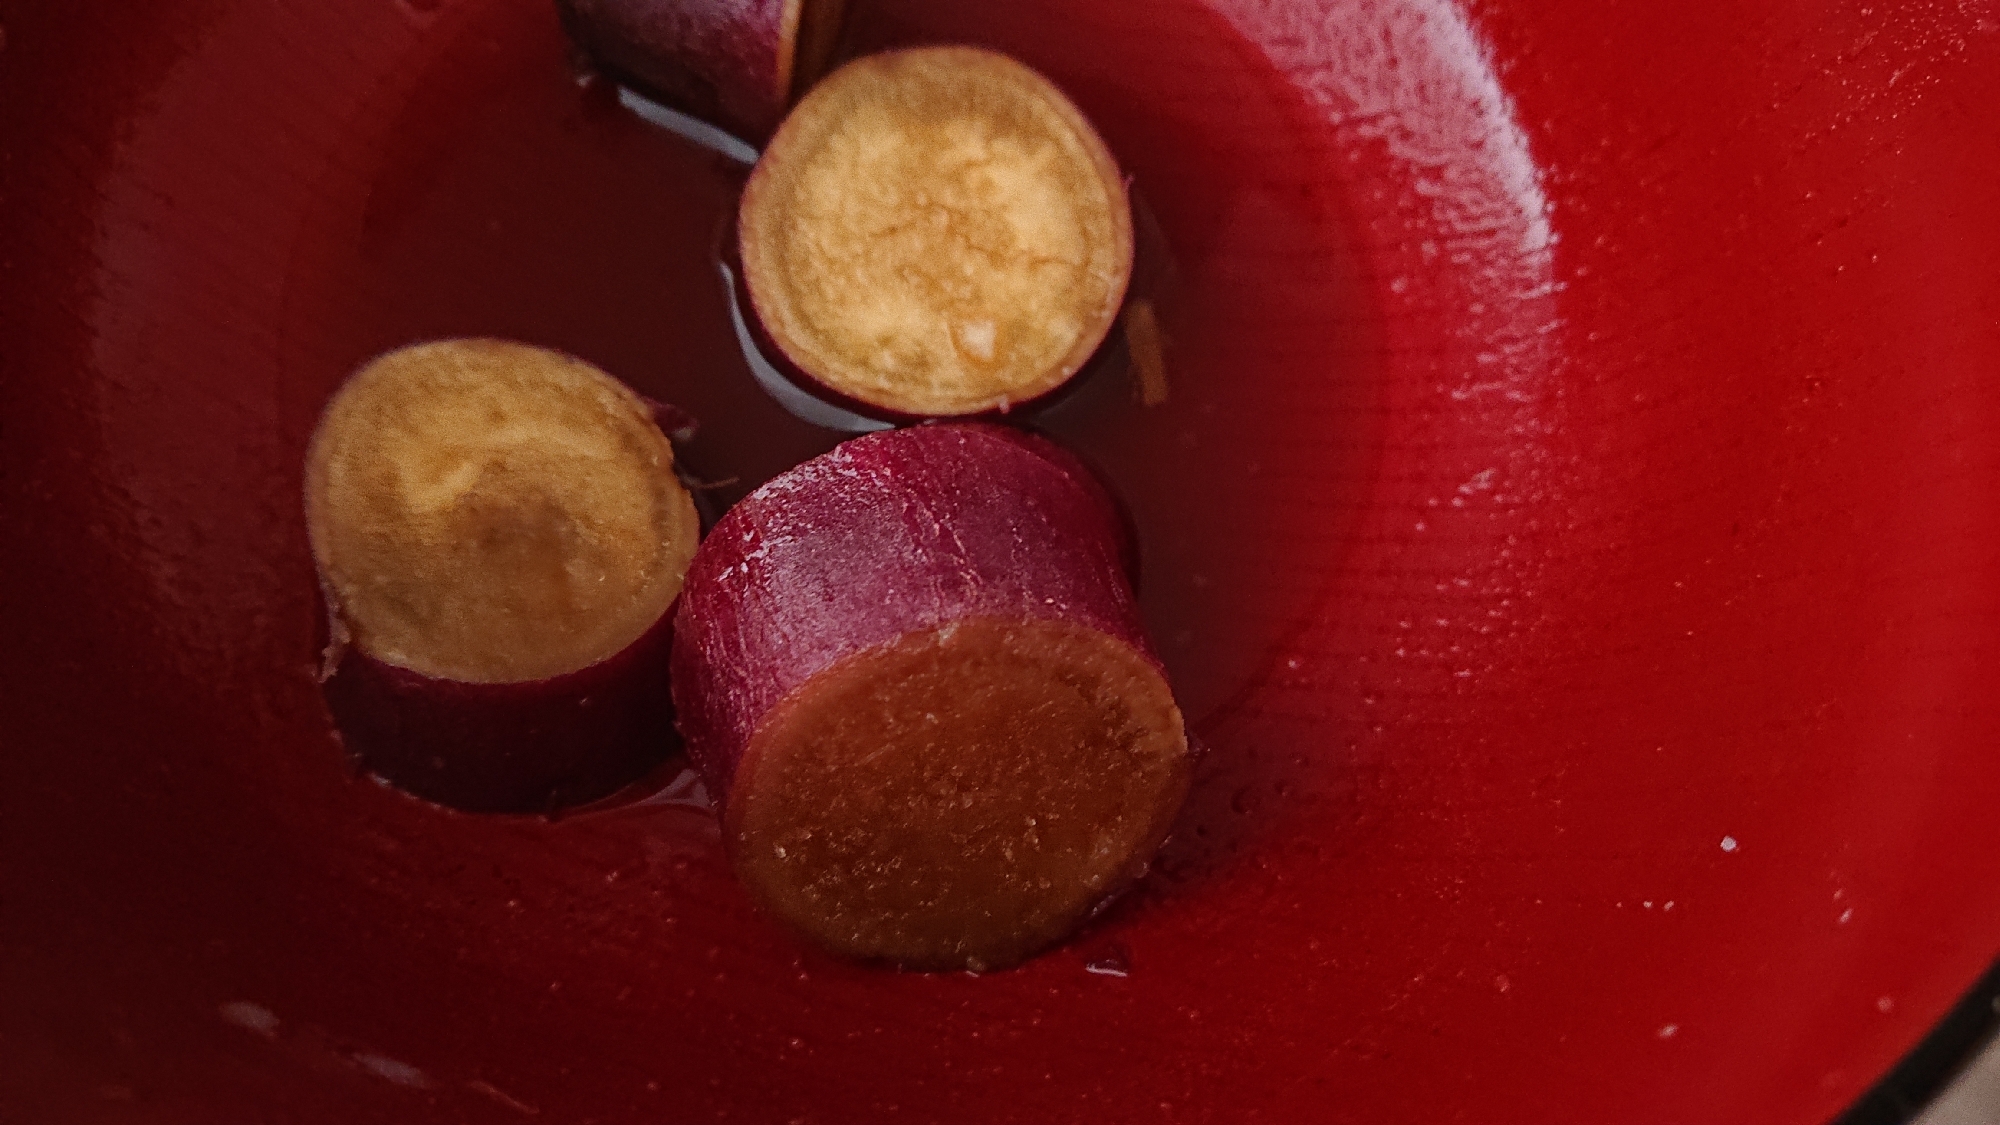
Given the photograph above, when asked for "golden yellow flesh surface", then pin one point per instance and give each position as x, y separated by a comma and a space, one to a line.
491, 512
937, 232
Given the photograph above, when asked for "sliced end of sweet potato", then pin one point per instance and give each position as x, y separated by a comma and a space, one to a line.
937, 232
489, 512
960, 797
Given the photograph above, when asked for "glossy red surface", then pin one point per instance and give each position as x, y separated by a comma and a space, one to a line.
1573, 529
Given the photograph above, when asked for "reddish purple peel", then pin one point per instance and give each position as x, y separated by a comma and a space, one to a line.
500, 537
535, 747
966, 578
846, 552
734, 63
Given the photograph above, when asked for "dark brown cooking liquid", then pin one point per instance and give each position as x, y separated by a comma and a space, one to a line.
506, 197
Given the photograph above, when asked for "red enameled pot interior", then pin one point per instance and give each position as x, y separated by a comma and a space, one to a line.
1572, 527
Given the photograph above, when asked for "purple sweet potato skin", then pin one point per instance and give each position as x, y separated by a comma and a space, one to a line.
715, 59
774, 353
888, 534
535, 747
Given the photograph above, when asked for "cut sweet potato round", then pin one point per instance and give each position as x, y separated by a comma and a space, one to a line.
936, 232
913, 672
497, 528
490, 512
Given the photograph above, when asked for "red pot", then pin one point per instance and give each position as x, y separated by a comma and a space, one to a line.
1574, 528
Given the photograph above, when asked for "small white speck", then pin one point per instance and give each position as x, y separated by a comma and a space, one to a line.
1886, 1004
1292, 664
1846, 916
1668, 906
251, 1017
978, 337
1481, 481
1729, 843
780, 852
1648, 904
1669, 1031
479, 1086
381, 1066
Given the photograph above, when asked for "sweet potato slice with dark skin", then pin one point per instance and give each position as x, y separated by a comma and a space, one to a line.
936, 232
499, 535
737, 64
913, 672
